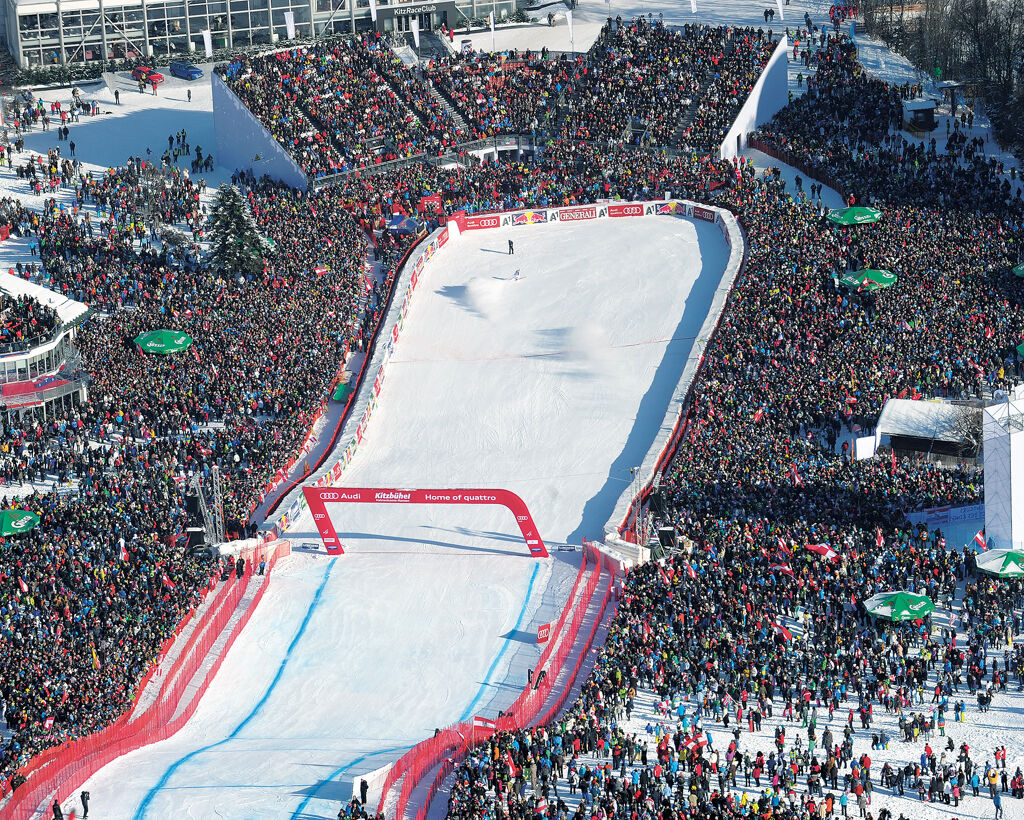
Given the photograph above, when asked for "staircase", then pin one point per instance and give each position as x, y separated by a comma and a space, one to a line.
688, 115
453, 112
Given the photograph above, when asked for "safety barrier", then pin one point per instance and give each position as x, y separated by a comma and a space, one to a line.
448, 746
68, 766
782, 155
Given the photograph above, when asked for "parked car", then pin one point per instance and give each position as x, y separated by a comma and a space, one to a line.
148, 75
185, 70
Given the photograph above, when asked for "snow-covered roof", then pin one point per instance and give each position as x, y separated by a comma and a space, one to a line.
67, 309
919, 105
933, 420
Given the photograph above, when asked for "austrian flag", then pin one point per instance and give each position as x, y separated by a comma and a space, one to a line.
979, 539
824, 550
168, 582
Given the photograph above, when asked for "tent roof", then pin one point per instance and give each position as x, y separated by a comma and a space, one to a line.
932, 420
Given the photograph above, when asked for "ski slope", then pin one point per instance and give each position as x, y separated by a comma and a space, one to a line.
552, 386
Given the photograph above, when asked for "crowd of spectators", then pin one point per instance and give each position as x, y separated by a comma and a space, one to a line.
798, 364
848, 127
503, 93
23, 318
341, 105
645, 83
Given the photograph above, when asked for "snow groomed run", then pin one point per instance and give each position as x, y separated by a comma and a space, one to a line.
538, 384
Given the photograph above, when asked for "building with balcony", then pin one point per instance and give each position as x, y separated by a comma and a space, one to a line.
62, 32
43, 371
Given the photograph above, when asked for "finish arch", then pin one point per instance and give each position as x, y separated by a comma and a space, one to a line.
318, 497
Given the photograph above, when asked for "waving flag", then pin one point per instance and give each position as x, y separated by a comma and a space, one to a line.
484, 723
168, 582
979, 539
691, 571
48, 723
782, 632
95, 659
695, 743
879, 540
824, 550
22, 584
797, 481
124, 553
783, 568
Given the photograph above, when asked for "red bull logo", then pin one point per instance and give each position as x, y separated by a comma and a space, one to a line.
530, 217
670, 208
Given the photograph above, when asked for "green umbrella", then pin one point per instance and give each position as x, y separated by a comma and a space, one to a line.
163, 341
869, 279
854, 216
1005, 563
899, 606
1019, 270
15, 522
341, 392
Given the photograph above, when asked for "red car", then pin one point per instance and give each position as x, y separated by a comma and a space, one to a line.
148, 75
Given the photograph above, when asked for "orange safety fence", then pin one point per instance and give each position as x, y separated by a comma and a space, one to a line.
443, 751
60, 771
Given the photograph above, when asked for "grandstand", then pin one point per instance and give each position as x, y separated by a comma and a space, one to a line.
351, 105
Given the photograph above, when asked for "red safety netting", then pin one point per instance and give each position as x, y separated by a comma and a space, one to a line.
60, 771
443, 751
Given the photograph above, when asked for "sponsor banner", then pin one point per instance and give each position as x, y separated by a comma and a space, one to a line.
459, 218
442, 238
704, 213
672, 208
577, 214
543, 633
479, 223
631, 209
529, 217
317, 498
378, 382
431, 203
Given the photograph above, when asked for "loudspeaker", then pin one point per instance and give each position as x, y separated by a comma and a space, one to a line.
193, 514
656, 501
196, 536
667, 537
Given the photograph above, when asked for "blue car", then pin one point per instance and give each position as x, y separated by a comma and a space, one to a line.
185, 70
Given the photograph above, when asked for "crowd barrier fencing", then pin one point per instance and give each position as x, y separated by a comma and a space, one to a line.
782, 155
69, 765
449, 746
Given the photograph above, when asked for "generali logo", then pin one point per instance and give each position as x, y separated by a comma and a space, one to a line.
576, 214
392, 495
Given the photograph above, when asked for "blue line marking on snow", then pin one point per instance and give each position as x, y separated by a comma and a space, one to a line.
504, 648
140, 812
296, 815
338, 773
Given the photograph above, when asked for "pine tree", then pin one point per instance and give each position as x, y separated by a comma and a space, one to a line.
236, 244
